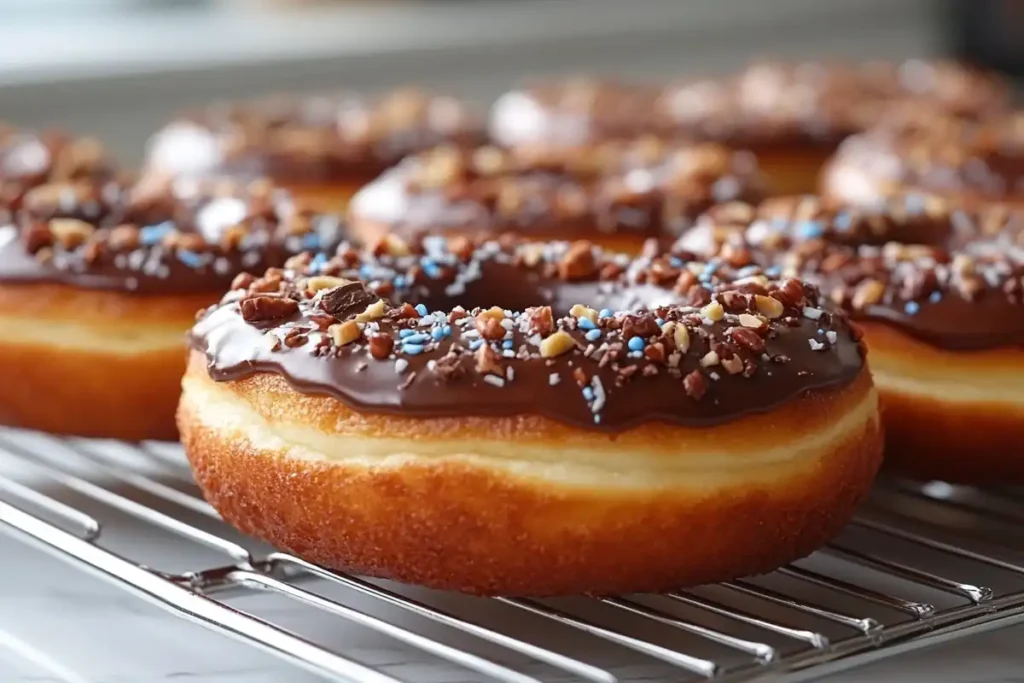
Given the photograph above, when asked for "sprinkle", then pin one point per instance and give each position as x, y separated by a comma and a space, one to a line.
318, 262
494, 380
507, 344
831, 336
912, 307
151, 234
812, 313
475, 344
431, 270
399, 281
599, 396
406, 333
554, 379
311, 241
401, 365
588, 393
586, 324
412, 349
935, 297
437, 334
510, 373
508, 353
605, 313
636, 344
190, 258
418, 338
810, 229
659, 321
593, 335
421, 309
815, 345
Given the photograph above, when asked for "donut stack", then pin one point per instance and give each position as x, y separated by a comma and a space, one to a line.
540, 351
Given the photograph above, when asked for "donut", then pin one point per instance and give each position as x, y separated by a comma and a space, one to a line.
100, 282
966, 161
563, 448
320, 148
939, 293
791, 115
615, 194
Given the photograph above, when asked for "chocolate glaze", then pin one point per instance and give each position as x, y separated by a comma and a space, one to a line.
948, 276
436, 363
915, 149
765, 105
322, 139
186, 238
643, 188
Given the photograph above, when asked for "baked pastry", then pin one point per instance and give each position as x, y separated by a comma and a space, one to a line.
615, 194
939, 293
320, 148
792, 116
557, 450
100, 281
969, 162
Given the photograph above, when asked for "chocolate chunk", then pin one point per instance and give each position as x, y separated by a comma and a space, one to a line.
347, 300
264, 308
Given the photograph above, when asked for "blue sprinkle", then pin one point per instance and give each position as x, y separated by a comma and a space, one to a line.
365, 272
318, 262
507, 344
586, 324
636, 344
432, 271
437, 333
311, 241
912, 307
593, 335
675, 262
447, 330
935, 297
605, 313
810, 229
476, 344
399, 281
406, 333
151, 234
421, 309
843, 221
190, 258
774, 271
915, 203
412, 349
659, 321
588, 393
417, 338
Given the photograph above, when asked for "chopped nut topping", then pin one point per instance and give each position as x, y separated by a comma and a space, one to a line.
344, 333
558, 343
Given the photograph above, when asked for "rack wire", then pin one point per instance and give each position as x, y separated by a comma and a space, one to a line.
921, 565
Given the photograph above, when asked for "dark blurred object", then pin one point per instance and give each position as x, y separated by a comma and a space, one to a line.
989, 33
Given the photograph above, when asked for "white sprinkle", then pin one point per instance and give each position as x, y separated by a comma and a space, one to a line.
507, 323
401, 365
599, 395
815, 344
534, 340
812, 313
455, 289
431, 364
715, 376
831, 336
510, 373
554, 379
471, 334
508, 353
494, 381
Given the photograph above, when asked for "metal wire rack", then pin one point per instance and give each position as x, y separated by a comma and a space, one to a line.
921, 565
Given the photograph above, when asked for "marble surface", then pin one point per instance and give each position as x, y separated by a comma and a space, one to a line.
58, 623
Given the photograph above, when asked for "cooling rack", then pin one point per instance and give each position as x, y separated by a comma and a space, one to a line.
921, 565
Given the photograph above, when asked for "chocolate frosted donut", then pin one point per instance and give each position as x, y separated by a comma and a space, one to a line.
563, 447
939, 292
616, 194
791, 115
971, 162
99, 282
321, 148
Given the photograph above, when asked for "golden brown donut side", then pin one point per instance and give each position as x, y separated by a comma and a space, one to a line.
479, 528
61, 377
933, 433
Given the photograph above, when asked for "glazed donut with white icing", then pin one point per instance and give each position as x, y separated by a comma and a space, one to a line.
564, 447
939, 293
